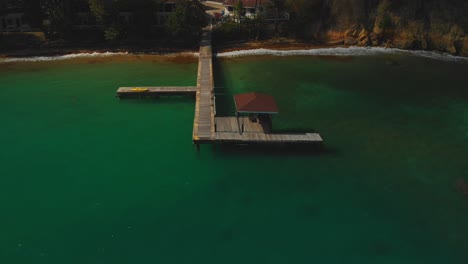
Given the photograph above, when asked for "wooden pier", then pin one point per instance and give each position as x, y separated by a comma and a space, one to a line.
209, 129
203, 124
155, 91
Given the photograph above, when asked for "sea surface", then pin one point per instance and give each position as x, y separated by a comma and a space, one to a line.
87, 178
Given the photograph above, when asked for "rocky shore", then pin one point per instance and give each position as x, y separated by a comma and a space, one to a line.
277, 46
411, 25
453, 41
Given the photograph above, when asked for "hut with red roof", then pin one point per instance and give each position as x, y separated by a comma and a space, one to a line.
259, 107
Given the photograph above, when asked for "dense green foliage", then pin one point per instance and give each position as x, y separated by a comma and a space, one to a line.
409, 24
188, 19
98, 9
61, 17
231, 31
238, 11
426, 24
341, 13
107, 15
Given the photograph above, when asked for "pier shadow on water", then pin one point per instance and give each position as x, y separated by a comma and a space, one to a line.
224, 97
267, 150
167, 100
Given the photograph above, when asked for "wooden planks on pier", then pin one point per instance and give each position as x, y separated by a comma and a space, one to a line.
232, 124
156, 91
247, 138
203, 127
243, 130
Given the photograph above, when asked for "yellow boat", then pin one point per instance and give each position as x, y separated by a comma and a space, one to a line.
139, 89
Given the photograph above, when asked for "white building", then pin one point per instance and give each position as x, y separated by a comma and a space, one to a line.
251, 7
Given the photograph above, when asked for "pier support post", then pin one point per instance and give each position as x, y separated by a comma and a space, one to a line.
197, 146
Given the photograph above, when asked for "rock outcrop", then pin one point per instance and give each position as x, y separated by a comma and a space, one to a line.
429, 24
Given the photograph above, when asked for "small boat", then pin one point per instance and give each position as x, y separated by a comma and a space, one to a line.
139, 89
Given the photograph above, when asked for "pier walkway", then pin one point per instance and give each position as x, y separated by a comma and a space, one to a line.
203, 124
156, 91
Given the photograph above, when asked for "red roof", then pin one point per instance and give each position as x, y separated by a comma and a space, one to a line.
247, 3
255, 103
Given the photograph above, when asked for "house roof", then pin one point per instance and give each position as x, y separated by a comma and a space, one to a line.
255, 103
247, 3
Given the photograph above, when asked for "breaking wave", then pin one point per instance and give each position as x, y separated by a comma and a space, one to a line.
341, 51
63, 57
336, 51
89, 55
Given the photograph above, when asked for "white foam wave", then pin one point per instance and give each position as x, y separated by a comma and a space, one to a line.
63, 57
335, 51
194, 54
437, 55
341, 51
91, 55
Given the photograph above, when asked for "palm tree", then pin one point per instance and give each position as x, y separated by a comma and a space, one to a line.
238, 8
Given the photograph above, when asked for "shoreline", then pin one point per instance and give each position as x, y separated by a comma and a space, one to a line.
278, 43
43, 52
277, 47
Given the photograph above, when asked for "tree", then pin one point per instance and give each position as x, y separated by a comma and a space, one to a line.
383, 11
113, 32
106, 13
98, 9
278, 6
238, 10
58, 13
188, 18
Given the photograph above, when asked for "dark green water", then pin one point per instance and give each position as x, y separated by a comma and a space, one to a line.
86, 178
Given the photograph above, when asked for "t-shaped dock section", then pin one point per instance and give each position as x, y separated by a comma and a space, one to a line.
209, 129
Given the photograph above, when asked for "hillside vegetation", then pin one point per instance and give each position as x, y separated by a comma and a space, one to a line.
409, 24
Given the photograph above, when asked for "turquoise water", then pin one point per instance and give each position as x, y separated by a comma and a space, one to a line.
86, 178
